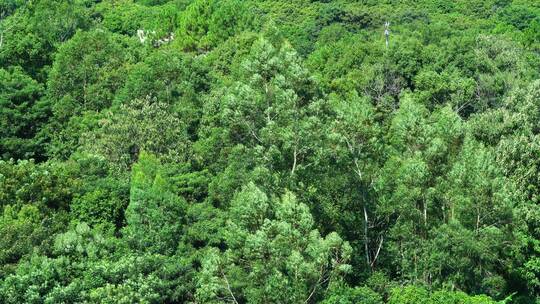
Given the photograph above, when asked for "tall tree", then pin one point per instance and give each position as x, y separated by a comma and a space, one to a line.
87, 72
21, 115
154, 215
273, 254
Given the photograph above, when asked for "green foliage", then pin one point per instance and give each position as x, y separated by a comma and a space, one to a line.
87, 72
31, 35
102, 205
272, 255
138, 125
9, 6
413, 294
24, 231
179, 151
347, 295
270, 112
168, 76
24, 182
154, 215
128, 16
172, 78
205, 24
21, 115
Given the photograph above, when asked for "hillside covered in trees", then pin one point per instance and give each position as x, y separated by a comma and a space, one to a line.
270, 151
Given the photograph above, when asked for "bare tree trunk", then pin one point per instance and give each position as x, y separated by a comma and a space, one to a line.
366, 238
377, 254
229, 288
425, 213
294, 161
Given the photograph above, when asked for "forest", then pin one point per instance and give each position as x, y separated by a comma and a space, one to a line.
270, 151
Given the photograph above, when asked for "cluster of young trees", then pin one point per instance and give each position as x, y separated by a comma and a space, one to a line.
229, 151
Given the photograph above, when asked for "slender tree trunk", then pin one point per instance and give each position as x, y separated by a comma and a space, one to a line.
366, 238
377, 253
294, 161
425, 213
229, 288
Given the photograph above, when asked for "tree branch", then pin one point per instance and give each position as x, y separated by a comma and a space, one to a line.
378, 251
229, 287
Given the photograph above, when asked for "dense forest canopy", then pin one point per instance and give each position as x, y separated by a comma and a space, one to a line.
270, 151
